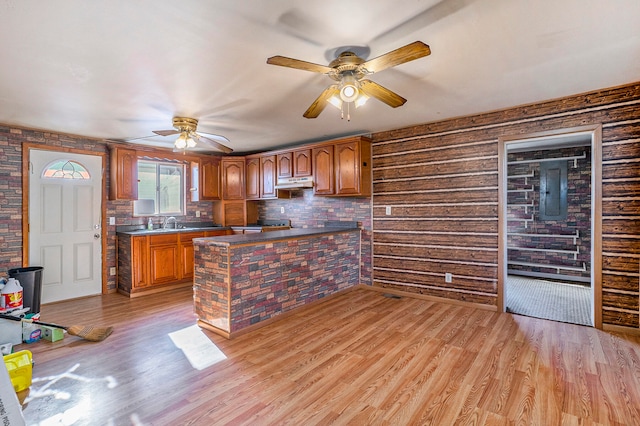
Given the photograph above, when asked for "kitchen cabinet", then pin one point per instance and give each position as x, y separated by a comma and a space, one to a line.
139, 266
253, 178
343, 168
163, 259
285, 165
123, 174
152, 263
294, 163
261, 178
353, 167
210, 178
302, 163
230, 213
268, 178
186, 253
323, 172
233, 178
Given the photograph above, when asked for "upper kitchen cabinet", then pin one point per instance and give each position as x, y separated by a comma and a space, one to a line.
261, 177
353, 167
210, 178
233, 178
343, 168
252, 177
302, 163
323, 170
268, 178
294, 163
123, 174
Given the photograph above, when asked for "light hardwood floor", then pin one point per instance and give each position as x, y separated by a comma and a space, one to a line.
360, 358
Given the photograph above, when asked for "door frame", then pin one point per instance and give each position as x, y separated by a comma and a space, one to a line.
595, 131
26, 168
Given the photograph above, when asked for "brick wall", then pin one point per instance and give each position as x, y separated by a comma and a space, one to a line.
526, 220
308, 211
268, 279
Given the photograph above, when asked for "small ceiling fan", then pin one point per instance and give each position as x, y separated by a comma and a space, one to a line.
189, 138
349, 71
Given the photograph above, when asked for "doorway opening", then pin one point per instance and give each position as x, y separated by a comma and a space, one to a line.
550, 226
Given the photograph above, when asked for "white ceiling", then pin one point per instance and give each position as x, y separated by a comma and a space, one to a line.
119, 69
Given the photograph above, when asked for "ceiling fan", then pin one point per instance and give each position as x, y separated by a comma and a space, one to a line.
189, 138
349, 71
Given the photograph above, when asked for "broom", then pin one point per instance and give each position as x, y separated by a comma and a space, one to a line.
87, 332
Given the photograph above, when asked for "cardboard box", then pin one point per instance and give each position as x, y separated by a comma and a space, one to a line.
51, 334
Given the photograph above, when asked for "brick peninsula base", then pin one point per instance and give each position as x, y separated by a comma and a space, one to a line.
242, 282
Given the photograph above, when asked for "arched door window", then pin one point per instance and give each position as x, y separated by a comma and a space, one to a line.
66, 169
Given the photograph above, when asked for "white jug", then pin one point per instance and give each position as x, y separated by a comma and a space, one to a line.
11, 295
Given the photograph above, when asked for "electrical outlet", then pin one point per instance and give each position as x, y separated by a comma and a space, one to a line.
448, 277
197, 213
281, 209
112, 220
388, 210
112, 270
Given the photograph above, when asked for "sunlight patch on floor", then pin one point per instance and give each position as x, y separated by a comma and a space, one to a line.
196, 346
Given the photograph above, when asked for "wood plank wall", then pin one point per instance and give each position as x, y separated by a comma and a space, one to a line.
440, 181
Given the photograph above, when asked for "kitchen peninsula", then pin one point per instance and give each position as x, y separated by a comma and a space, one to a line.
242, 282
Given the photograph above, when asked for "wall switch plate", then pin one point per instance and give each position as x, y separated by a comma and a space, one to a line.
112, 220
281, 209
448, 277
112, 270
197, 213
388, 210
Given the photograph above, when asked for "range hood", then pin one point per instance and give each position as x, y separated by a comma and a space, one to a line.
295, 183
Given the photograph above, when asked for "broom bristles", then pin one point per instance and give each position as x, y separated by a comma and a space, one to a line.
87, 332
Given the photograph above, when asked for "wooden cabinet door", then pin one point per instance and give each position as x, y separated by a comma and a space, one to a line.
322, 158
302, 163
210, 178
285, 165
186, 253
164, 258
140, 262
233, 187
253, 178
347, 164
268, 176
123, 174
234, 213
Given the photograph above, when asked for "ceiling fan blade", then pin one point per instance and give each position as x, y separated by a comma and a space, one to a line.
381, 93
321, 102
214, 143
166, 132
407, 53
283, 61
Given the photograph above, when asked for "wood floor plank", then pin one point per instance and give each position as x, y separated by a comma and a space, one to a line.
359, 358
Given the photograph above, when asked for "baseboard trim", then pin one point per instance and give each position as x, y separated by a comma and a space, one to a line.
491, 308
621, 329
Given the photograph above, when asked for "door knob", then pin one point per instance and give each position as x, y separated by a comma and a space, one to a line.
96, 236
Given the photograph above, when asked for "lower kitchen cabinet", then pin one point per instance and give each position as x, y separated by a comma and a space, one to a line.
163, 259
152, 263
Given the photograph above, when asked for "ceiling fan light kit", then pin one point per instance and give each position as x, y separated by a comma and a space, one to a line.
349, 71
188, 137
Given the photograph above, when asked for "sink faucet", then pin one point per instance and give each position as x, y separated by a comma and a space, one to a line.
166, 221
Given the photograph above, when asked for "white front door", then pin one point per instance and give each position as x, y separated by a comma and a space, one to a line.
65, 223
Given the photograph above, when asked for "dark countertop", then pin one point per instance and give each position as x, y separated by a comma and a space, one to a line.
261, 237
156, 231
